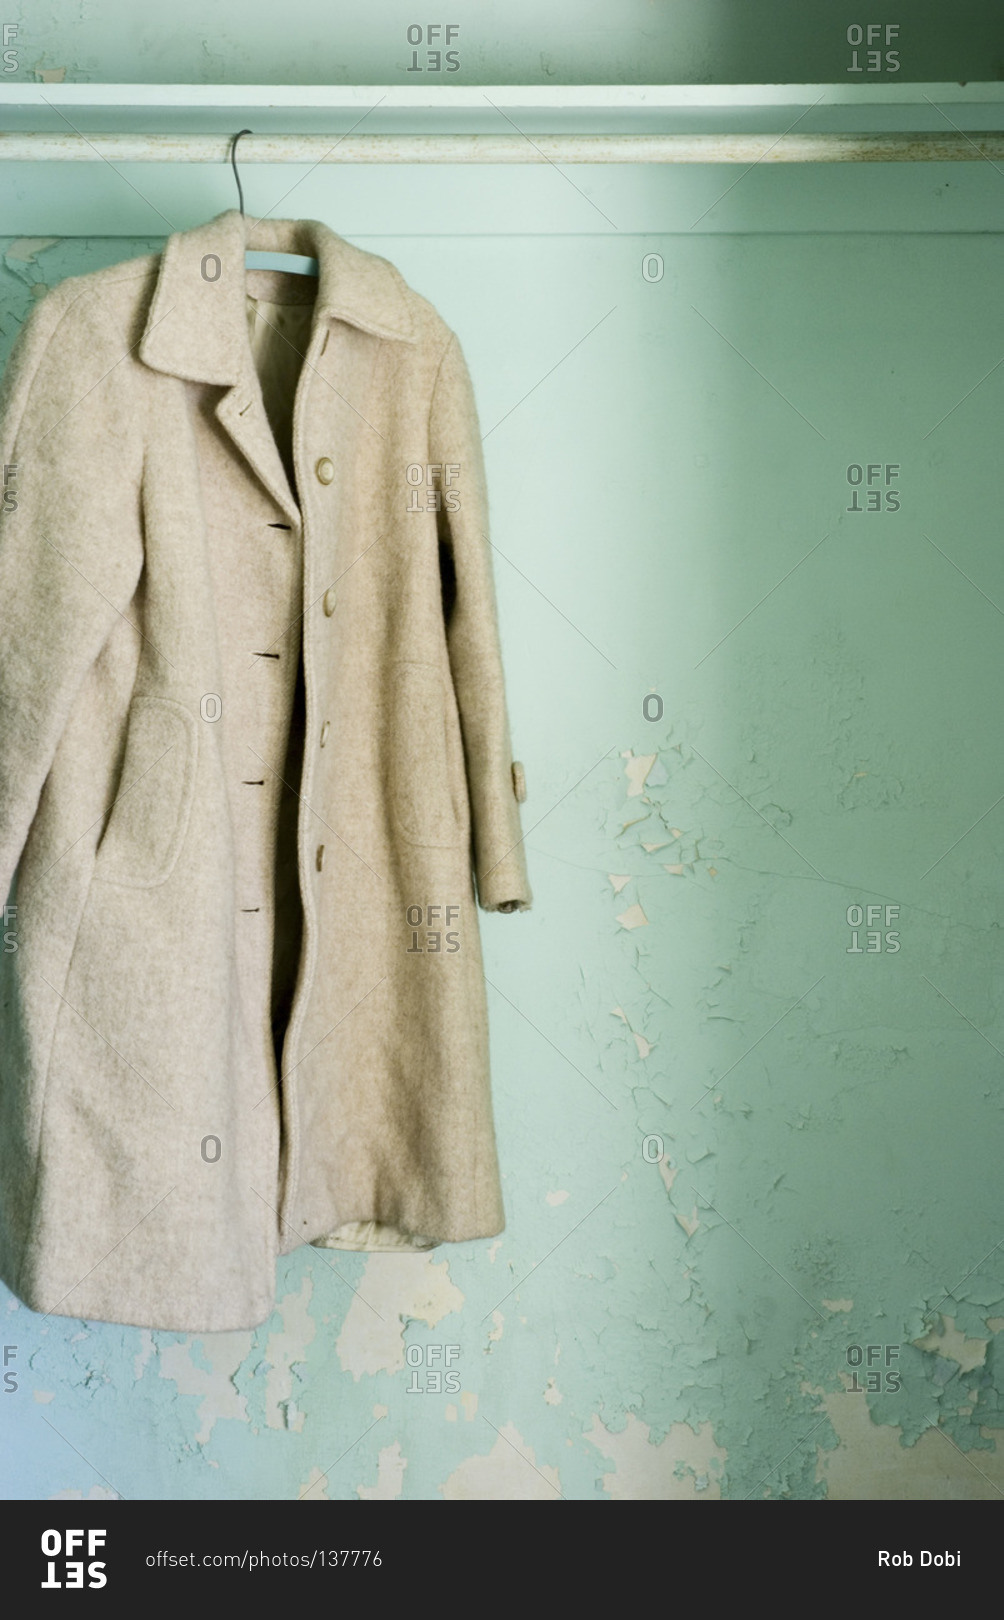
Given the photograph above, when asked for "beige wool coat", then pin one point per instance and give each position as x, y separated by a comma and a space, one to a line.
255, 778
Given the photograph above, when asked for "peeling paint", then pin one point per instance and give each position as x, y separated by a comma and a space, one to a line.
510, 1470
27, 248
147, 1350
390, 1476
633, 917
689, 1225
219, 1396
668, 1172
872, 1462
314, 1488
394, 1289
686, 1466
282, 1351
954, 1346
637, 769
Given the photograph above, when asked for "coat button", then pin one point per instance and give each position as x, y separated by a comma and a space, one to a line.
325, 470
324, 732
330, 598
518, 781
320, 856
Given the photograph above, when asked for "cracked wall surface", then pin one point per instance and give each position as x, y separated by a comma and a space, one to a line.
749, 1154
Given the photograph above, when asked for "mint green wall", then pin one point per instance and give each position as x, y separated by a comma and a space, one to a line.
736, 1151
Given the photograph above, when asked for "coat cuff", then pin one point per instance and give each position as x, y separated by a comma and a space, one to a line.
502, 896
505, 888
500, 865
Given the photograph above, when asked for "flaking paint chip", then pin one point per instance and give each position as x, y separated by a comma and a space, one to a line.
690, 1227
633, 822
619, 880
675, 870
637, 769
955, 1346
633, 917
26, 249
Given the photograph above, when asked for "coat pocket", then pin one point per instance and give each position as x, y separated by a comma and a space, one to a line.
149, 816
426, 769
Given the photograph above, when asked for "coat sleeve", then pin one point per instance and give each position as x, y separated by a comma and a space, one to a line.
493, 782
70, 535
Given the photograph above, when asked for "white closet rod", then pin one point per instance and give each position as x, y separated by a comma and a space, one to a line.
790, 148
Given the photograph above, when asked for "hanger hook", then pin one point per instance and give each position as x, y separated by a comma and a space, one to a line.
233, 160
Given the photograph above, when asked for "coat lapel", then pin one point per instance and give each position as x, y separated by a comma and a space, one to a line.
197, 326
241, 414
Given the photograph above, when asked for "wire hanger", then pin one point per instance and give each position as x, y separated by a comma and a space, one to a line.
296, 263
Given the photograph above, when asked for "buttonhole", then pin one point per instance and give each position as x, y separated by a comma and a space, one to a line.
266, 655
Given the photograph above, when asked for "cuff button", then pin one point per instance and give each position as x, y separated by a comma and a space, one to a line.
518, 781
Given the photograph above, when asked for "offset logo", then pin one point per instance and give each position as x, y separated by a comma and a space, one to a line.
63, 1568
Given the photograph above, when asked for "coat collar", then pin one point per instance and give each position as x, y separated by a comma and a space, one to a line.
197, 328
